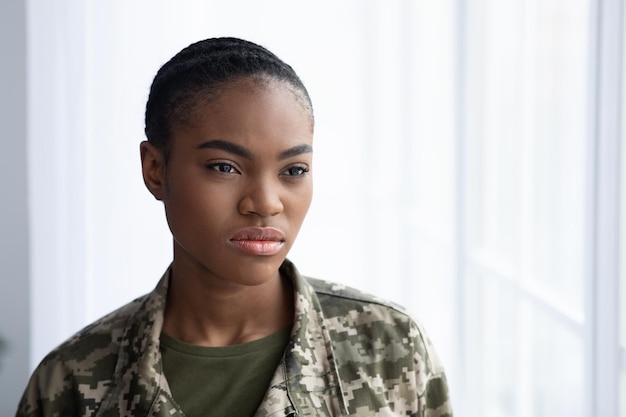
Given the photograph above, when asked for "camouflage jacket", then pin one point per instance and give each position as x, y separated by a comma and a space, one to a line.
350, 354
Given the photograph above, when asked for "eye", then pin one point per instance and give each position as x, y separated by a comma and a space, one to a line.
223, 167
296, 171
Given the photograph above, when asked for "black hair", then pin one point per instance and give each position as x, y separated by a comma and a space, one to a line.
199, 71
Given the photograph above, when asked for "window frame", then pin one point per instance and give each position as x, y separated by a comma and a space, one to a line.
603, 190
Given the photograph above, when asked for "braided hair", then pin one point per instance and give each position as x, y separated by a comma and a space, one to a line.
199, 72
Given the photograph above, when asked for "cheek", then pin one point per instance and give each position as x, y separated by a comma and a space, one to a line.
188, 209
302, 202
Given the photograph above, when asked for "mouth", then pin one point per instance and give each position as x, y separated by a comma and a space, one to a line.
258, 241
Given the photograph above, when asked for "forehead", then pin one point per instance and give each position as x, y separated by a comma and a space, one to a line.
250, 110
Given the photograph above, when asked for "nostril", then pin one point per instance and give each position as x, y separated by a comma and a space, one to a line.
261, 203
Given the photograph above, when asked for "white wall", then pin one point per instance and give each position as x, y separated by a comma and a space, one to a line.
14, 240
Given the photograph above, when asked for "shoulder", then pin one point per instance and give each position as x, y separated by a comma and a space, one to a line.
340, 293
353, 307
103, 335
358, 322
377, 340
87, 359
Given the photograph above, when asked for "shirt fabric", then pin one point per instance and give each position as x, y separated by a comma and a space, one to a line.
349, 354
221, 381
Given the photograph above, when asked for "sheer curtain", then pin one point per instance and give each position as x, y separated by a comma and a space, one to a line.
454, 169
526, 139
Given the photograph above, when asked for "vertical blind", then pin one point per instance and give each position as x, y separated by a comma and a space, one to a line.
461, 159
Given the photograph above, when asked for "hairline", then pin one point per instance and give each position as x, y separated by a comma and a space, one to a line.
205, 96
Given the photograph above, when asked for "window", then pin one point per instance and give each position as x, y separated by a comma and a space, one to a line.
538, 274
526, 140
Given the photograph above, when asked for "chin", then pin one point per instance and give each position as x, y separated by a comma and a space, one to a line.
256, 270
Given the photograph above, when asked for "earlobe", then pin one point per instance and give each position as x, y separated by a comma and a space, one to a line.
153, 169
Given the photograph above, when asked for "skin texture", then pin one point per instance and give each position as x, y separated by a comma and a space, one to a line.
244, 162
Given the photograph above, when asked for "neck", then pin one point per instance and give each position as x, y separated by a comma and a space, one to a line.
208, 312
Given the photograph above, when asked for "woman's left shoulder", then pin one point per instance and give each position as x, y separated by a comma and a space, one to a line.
353, 307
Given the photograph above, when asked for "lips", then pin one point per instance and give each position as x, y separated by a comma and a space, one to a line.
259, 241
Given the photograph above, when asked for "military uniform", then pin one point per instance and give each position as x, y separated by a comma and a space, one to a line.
349, 354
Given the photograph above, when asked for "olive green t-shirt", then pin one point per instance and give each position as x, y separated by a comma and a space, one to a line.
221, 381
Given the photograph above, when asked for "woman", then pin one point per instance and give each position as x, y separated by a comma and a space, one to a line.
232, 328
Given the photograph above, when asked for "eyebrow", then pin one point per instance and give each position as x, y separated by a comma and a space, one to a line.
226, 146
296, 150
239, 150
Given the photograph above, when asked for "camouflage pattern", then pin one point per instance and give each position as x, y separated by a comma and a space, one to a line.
350, 354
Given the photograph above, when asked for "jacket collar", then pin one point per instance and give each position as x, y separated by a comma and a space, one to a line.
312, 379
306, 379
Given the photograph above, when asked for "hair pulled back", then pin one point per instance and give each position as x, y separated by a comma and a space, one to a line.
199, 71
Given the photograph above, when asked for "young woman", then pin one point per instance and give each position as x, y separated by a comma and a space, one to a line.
232, 328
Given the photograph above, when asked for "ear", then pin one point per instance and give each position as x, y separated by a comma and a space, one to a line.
153, 169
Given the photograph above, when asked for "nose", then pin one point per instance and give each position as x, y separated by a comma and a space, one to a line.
262, 198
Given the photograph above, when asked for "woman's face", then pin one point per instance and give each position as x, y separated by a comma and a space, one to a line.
238, 184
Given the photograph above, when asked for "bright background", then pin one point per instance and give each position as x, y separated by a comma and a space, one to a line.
467, 166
